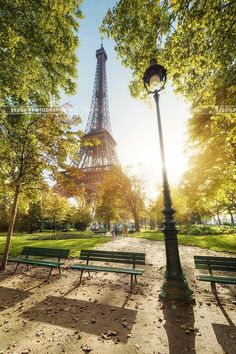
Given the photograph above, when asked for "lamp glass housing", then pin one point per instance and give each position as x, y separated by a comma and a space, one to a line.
154, 78
154, 82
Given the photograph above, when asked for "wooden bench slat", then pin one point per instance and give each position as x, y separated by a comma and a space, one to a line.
35, 262
112, 254
227, 264
115, 252
225, 259
220, 268
48, 252
213, 261
107, 269
216, 279
113, 260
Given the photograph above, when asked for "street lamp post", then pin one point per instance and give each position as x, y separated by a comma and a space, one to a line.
175, 286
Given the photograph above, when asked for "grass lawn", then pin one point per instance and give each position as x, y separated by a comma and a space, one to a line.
223, 243
75, 245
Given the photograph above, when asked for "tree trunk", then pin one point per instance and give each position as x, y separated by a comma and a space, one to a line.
136, 222
31, 227
10, 229
199, 218
231, 216
218, 218
54, 224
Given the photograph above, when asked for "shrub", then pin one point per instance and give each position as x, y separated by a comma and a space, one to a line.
64, 236
206, 229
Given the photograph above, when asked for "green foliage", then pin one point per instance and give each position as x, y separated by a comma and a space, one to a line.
120, 196
38, 43
38, 61
29, 144
31, 220
64, 236
210, 180
195, 42
5, 199
56, 208
192, 39
82, 212
206, 230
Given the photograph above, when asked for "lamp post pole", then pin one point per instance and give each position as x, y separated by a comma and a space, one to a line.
175, 286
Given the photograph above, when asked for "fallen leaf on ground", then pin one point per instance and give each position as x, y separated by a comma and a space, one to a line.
86, 348
109, 334
26, 351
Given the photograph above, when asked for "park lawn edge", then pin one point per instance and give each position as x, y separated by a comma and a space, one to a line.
74, 245
218, 243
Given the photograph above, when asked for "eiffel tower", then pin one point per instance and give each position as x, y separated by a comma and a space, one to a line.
96, 160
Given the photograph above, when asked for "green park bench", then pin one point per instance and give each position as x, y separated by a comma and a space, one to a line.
39, 257
110, 257
213, 264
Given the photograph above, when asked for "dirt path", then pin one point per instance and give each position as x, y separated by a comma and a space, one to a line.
58, 317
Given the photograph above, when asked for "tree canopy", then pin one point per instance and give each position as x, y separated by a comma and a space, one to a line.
192, 39
120, 197
38, 43
38, 62
29, 146
195, 41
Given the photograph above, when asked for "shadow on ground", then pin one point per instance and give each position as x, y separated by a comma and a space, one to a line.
225, 334
180, 329
226, 337
89, 317
9, 297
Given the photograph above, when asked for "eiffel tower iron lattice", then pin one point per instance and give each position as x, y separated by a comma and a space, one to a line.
97, 159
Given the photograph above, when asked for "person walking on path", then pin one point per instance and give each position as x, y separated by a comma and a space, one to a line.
125, 230
116, 229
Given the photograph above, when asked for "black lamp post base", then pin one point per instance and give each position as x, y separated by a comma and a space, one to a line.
177, 290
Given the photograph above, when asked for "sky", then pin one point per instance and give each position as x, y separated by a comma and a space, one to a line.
134, 123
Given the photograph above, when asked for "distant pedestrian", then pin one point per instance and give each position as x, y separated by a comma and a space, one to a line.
125, 230
116, 229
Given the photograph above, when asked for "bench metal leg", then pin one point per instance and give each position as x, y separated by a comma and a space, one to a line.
131, 288
49, 273
16, 268
135, 277
59, 268
89, 273
214, 290
81, 274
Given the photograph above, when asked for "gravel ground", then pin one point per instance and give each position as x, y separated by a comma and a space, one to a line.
102, 317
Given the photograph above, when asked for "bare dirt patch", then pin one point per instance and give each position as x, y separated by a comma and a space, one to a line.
102, 317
